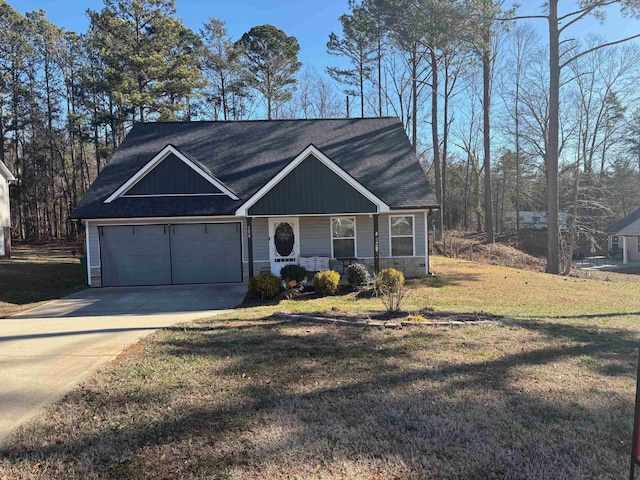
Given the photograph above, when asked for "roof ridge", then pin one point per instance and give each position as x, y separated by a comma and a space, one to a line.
256, 120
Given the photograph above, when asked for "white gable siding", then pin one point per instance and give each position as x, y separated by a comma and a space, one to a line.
633, 229
5, 219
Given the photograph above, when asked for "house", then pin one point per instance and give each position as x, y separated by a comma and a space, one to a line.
533, 220
6, 178
624, 238
207, 202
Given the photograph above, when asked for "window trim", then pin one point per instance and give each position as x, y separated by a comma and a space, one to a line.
413, 236
638, 244
617, 246
355, 235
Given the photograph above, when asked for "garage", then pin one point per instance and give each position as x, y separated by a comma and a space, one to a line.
170, 254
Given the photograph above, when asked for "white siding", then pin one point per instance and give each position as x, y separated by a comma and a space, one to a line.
93, 245
5, 219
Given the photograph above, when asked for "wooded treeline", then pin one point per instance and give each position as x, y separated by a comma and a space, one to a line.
503, 117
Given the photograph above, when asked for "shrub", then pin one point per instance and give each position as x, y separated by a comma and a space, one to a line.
326, 282
265, 286
358, 276
389, 285
415, 318
293, 272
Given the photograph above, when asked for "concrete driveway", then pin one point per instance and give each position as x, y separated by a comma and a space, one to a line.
46, 351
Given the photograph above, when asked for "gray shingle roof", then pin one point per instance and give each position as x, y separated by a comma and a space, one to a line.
246, 155
626, 225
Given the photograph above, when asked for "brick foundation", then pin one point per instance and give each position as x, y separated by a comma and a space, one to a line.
412, 267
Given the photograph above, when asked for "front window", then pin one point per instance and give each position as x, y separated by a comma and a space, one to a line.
638, 244
402, 235
615, 243
343, 237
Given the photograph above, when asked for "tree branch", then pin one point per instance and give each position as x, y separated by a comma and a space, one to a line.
598, 47
519, 17
587, 9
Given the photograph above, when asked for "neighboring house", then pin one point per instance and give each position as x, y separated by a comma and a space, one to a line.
207, 202
624, 238
533, 220
6, 178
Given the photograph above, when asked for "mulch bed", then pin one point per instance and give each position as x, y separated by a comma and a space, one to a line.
391, 319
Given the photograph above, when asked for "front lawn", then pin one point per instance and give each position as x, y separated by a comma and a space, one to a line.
545, 394
38, 273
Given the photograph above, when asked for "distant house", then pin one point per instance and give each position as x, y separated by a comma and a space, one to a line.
624, 238
210, 202
6, 178
535, 220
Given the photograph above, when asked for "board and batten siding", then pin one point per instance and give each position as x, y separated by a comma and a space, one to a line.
172, 176
316, 190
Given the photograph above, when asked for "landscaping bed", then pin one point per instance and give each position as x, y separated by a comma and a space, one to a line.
378, 318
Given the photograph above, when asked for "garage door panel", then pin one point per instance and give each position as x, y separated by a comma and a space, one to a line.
135, 255
206, 253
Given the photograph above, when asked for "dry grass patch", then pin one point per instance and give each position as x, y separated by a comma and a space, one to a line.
548, 394
38, 273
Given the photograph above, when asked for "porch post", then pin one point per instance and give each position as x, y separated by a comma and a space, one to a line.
625, 255
376, 245
250, 245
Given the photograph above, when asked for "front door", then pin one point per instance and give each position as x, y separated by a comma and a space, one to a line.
284, 243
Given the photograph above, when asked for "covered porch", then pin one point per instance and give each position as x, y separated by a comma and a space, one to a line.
319, 242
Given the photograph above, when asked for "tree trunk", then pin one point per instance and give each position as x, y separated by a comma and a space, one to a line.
574, 217
486, 81
553, 231
517, 121
445, 144
379, 76
414, 96
436, 140
361, 88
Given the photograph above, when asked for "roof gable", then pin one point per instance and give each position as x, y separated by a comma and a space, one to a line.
312, 184
246, 155
173, 177
629, 225
171, 173
4, 172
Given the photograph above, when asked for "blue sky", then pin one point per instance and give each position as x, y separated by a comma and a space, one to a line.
308, 20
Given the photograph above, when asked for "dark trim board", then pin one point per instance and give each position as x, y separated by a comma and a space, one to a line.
186, 258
